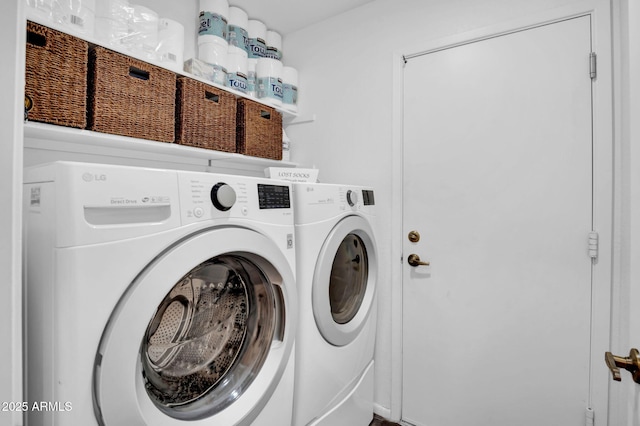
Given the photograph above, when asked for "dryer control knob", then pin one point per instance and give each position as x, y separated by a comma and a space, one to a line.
352, 197
223, 196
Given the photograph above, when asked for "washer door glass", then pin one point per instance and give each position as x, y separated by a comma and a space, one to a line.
348, 279
209, 337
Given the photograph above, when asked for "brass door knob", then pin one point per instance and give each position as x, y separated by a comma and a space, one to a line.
414, 236
414, 260
630, 363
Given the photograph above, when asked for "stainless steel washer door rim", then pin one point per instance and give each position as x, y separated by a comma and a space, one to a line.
350, 243
122, 392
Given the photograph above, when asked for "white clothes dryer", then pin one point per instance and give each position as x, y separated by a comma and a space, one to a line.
337, 268
158, 297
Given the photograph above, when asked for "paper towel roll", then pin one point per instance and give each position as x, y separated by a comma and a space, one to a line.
221, 7
213, 53
76, 15
269, 80
214, 73
238, 34
43, 9
290, 88
112, 21
274, 45
143, 32
208, 38
112, 8
170, 49
216, 56
213, 18
257, 39
237, 70
238, 50
251, 76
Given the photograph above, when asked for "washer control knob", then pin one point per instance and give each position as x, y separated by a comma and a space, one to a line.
223, 196
352, 198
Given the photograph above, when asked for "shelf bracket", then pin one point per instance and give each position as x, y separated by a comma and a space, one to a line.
302, 120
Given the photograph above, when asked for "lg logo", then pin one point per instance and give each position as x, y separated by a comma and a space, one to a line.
90, 177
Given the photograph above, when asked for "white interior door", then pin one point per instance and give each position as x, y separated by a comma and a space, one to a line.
498, 183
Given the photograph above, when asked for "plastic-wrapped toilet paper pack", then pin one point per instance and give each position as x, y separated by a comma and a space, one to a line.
215, 55
112, 21
237, 35
206, 71
274, 45
257, 39
213, 18
78, 16
170, 49
43, 9
290, 88
251, 76
142, 39
269, 80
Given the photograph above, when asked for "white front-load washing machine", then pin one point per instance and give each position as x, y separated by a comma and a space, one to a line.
336, 280
158, 297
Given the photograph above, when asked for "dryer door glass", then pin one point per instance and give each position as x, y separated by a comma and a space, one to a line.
209, 337
348, 279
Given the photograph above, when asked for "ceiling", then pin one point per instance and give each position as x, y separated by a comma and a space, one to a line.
287, 16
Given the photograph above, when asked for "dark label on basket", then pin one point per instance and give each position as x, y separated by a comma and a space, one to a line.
36, 39
138, 73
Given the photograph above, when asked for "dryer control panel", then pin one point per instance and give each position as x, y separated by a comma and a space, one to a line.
317, 201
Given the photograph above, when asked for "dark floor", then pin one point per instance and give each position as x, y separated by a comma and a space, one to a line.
379, 421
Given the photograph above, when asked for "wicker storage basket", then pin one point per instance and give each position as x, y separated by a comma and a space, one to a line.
259, 130
130, 97
56, 77
205, 116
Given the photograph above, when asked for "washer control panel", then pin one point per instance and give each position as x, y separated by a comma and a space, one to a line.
210, 196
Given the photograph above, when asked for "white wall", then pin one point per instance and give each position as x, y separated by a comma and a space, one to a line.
12, 39
346, 78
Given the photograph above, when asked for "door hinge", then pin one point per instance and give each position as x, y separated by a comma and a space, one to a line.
593, 70
589, 417
593, 245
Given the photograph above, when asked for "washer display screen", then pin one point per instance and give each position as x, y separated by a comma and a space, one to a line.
273, 197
